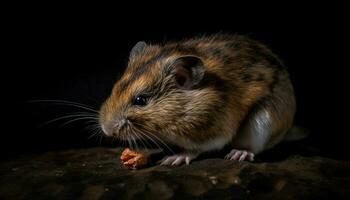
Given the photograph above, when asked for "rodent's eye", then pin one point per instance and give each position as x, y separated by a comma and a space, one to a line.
140, 100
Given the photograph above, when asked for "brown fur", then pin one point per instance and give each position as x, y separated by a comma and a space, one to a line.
240, 75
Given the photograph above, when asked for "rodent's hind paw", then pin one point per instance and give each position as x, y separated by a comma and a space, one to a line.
240, 155
178, 159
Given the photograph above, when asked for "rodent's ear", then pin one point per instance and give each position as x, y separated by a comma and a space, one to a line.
138, 48
188, 71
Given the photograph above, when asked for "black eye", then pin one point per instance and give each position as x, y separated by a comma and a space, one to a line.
140, 100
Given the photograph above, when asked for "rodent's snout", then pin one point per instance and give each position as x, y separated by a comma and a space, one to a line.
114, 127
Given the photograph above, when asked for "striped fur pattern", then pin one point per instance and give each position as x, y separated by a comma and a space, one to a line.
244, 99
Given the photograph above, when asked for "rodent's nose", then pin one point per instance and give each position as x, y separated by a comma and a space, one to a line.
107, 130
119, 124
112, 128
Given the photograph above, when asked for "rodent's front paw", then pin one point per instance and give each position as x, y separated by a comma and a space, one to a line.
178, 159
240, 155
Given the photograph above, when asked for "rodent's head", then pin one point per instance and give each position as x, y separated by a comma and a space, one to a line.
159, 97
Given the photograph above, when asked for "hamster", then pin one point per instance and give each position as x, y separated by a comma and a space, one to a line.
201, 95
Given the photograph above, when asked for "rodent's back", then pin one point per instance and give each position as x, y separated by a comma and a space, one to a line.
243, 68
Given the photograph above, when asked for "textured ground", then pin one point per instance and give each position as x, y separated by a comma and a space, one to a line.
96, 173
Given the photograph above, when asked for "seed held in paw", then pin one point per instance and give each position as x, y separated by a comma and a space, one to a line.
133, 160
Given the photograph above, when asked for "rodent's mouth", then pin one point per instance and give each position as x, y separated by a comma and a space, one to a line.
136, 134
143, 139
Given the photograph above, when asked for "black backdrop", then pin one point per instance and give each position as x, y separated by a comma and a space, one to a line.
77, 55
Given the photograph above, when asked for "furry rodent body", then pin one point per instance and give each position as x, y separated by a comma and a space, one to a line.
202, 94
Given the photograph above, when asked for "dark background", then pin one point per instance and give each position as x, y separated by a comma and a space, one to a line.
76, 54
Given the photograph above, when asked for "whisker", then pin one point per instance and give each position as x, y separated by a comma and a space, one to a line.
67, 103
139, 138
161, 141
59, 101
68, 116
144, 138
128, 140
94, 124
90, 114
155, 137
131, 141
150, 138
134, 142
96, 131
101, 137
74, 120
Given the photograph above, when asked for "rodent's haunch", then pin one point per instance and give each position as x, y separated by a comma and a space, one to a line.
202, 94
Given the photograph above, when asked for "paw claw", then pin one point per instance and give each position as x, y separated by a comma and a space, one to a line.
177, 160
166, 161
243, 156
240, 155
187, 160
236, 156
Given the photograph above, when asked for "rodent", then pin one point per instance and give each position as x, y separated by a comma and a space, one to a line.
202, 94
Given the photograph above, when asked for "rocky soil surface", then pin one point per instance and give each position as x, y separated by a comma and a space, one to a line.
97, 173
